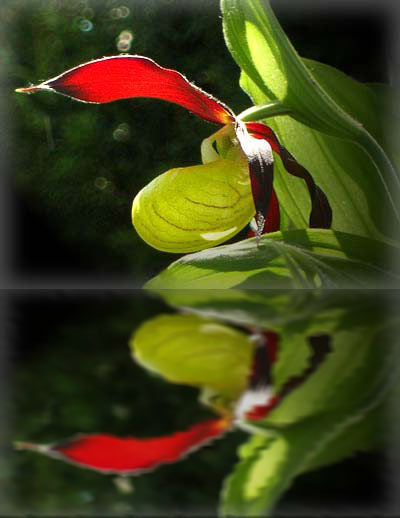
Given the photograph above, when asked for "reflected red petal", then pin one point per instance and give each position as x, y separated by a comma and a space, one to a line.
261, 411
272, 339
258, 400
123, 77
265, 354
110, 454
321, 212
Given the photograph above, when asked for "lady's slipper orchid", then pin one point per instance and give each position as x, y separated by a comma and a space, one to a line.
131, 456
197, 207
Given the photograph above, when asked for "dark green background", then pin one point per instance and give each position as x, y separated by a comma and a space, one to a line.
73, 181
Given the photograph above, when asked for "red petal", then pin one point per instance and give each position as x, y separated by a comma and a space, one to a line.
321, 212
262, 131
110, 454
271, 215
261, 169
258, 400
123, 77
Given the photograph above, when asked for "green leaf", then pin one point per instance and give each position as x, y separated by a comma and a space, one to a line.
298, 258
355, 98
341, 167
194, 351
262, 50
362, 436
354, 173
343, 171
316, 310
269, 464
271, 460
386, 101
341, 383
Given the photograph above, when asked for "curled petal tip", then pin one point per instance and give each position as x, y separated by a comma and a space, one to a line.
31, 89
18, 445
22, 445
27, 90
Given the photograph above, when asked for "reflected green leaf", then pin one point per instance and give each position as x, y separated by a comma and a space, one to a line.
299, 258
348, 422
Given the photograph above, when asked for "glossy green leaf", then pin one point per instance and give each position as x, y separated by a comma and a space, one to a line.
341, 167
194, 351
355, 174
261, 48
342, 170
355, 98
298, 258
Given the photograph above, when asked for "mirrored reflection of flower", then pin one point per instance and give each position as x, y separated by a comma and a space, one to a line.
234, 372
193, 208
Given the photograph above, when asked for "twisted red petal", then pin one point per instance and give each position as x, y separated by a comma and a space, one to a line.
261, 170
321, 212
261, 411
123, 77
109, 454
271, 215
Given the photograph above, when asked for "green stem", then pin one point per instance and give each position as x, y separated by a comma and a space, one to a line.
264, 111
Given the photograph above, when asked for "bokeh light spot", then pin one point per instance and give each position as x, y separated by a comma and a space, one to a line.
122, 133
101, 183
124, 41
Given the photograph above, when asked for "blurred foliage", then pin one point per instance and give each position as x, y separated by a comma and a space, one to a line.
72, 372
77, 167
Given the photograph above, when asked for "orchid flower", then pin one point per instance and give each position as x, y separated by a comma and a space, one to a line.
192, 208
131, 456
